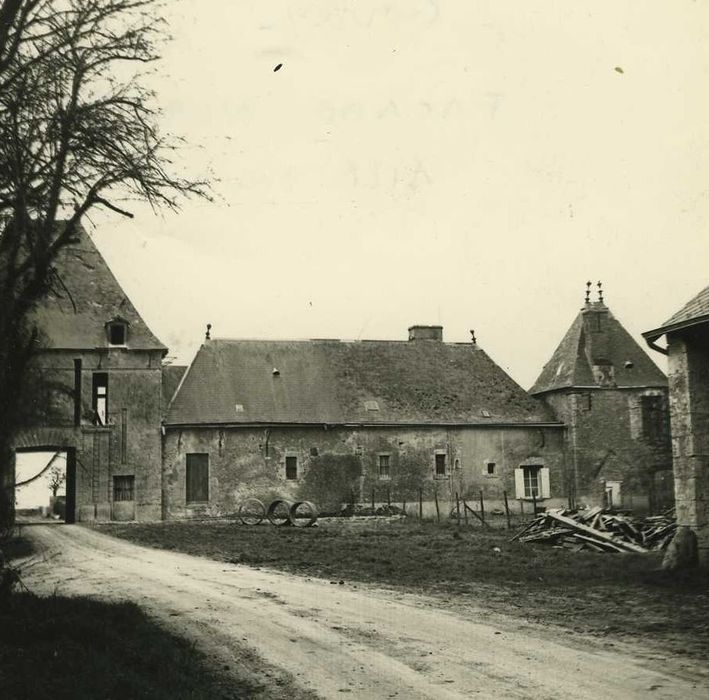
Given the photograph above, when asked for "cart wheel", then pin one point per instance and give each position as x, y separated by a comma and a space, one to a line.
303, 514
278, 512
252, 511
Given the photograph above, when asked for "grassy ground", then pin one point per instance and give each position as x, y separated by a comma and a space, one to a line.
81, 648
622, 595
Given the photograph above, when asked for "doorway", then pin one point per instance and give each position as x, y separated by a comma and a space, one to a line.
45, 479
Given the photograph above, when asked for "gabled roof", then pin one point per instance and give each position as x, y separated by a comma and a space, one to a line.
334, 382
693, 313
84, 297
597, 339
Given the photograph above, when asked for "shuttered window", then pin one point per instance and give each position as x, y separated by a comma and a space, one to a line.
197, 478
532, 481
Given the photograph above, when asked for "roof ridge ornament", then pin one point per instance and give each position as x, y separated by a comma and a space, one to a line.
588, 292
600, 291
208, 334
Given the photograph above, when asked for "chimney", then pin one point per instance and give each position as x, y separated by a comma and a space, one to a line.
426, 333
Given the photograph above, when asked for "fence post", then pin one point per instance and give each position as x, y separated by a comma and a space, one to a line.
534, 501
465, 511
482, 507
507, 510
438, 512
457, 507
403, 506
389, 498
420, 504
372, 501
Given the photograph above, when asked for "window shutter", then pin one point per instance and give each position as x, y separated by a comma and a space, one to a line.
519, 483
546, 491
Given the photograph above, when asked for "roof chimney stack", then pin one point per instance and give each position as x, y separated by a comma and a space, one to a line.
426, 333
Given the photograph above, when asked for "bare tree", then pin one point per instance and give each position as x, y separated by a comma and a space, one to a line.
57, 477
78, 130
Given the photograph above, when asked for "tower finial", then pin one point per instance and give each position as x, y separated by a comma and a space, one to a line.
208, 334
472, 336
588, 292
600, 291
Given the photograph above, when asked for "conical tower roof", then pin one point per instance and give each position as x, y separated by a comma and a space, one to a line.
598, 352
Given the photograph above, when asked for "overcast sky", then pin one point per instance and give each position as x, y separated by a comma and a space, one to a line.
466, 163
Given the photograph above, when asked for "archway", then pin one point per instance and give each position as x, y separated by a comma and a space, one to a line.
45, 482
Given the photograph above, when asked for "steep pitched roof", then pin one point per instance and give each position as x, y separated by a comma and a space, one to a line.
85, 296
694, 312
597, 339
318, 382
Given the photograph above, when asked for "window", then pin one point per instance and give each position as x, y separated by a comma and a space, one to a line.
440, 464
197, 474
384, 464
123, 488
99, 399
654, 418
532, 481
117, 333
291, 468
490, 468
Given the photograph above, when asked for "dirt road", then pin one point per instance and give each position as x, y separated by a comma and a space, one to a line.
340, 639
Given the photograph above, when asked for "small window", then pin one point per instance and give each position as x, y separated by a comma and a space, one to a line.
441, 464
384, 466
291, 468
371, 405
116, 333
123, 488
99, 397
587, 401
490, 468
197, 475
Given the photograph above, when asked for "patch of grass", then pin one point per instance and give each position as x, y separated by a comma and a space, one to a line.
619, 594
83, 648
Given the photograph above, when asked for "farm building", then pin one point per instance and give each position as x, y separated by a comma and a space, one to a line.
687, 336
613, 399
324, 419
327, 420
97, 391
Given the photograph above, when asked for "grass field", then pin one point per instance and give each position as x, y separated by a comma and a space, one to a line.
60, 647
622, 595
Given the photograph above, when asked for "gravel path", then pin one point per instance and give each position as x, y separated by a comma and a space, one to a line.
338, 639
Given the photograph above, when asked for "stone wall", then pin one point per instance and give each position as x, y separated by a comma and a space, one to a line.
245, 462
130, 444
608, 442
689, 409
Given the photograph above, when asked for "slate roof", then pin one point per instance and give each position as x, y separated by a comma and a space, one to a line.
694, 312
84, 297
336, 382
571, 365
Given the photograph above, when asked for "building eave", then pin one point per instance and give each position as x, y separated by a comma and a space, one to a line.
358, 425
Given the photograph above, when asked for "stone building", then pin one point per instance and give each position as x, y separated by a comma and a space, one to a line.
99, 394
326, 420
687, 336
613, 400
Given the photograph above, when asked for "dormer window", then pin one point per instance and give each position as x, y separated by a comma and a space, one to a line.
117, 332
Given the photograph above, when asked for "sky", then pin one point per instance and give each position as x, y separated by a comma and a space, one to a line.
468, 164
37, 492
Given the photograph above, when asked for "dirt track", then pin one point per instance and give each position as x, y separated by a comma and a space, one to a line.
336, 639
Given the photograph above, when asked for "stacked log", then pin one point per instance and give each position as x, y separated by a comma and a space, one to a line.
600, 530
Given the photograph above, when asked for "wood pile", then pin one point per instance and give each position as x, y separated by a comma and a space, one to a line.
600, 530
